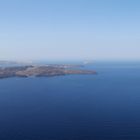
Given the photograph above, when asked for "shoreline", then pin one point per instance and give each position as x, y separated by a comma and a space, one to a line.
43, 71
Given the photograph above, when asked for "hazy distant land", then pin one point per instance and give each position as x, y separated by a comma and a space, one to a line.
42, 70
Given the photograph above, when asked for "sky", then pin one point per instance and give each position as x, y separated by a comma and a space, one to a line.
69, 30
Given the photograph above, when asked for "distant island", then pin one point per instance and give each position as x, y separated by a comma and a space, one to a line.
42, 71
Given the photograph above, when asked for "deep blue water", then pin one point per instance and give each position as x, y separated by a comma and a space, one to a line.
80, 107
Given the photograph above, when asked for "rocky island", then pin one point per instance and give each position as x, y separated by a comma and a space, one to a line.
41, 71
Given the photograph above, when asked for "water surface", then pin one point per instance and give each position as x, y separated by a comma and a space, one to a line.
76, 107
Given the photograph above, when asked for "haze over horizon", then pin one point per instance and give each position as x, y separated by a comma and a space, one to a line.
69, 30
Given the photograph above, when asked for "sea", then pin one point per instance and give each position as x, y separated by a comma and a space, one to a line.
105, 106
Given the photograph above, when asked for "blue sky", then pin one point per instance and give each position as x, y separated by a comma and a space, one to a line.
70, 29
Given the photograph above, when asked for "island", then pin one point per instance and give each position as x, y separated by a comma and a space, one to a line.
42, 71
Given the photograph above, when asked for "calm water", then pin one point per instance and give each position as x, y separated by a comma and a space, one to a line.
90, 107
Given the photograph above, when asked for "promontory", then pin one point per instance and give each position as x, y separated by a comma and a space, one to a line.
41, 71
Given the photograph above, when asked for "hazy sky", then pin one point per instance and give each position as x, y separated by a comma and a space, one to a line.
70, 29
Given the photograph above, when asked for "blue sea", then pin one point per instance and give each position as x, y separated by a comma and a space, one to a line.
105, 106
